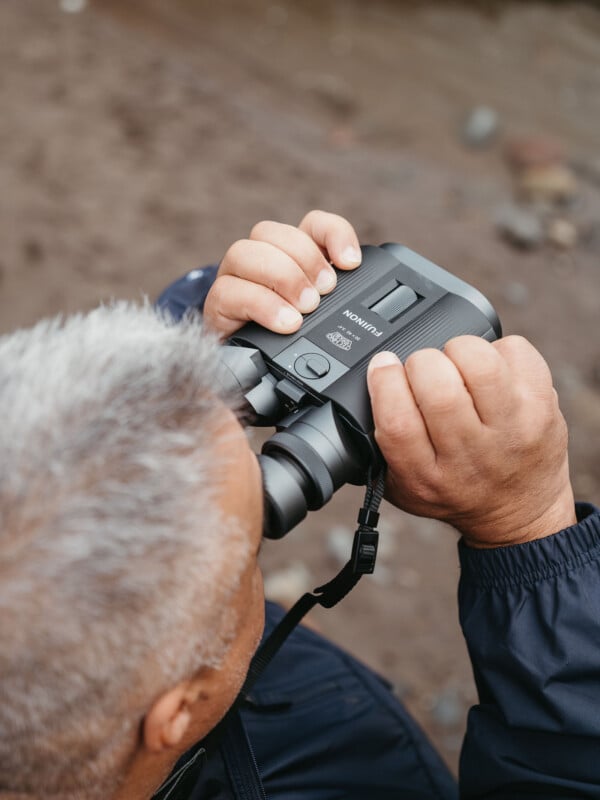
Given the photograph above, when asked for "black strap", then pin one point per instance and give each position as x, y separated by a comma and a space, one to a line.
362, 562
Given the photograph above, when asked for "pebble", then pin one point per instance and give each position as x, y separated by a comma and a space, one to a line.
552, 183
480, 127
596, 374
517, 294
568, 379
586, 405
287, 585
453, 743
408, 578
72, 6
590, 236
533, 151
589, 169
447, 709
585, 484
562, 233
342, 137
383, 576
339, 543
519, 225
333, 91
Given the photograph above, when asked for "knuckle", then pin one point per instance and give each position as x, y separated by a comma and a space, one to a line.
466, 341
516, 348
483, 371
262, 229
444, 403
310, 216
237, 251
217, 295
475, 357
514, 342
287, 282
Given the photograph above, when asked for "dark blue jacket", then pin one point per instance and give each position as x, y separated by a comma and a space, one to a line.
530, 614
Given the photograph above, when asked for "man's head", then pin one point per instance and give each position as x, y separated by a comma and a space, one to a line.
130, 516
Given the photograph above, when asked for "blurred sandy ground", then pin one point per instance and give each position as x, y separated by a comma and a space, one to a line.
138, 139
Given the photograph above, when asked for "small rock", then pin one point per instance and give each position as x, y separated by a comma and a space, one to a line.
72, 6
595, 373
589, 169
519, 225
453, 743
383, 576
332, 91
533, 151
584, 484
33, 250
339, 543
408, 578
342, 137
562, 233
447, 709
287, 585
427, 530
586, 405
552, 183
517, 294
481, 126
590, 236
568, 379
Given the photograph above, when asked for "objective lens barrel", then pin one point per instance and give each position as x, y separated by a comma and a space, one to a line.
303, 465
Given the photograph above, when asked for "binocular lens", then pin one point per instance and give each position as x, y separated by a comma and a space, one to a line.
303, 465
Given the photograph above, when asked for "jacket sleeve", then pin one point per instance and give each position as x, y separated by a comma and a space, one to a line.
530, 614
188, 293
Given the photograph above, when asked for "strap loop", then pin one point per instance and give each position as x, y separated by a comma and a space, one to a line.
362, 562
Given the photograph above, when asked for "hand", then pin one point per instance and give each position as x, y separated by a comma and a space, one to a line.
280, 273
474, 436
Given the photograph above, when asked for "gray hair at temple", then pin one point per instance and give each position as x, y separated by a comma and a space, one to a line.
115, 565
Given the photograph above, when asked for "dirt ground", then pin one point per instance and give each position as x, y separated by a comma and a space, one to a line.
139, 139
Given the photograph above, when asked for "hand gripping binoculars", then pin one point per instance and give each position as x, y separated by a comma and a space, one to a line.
311, 385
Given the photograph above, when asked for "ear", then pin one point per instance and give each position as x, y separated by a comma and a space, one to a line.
167, 722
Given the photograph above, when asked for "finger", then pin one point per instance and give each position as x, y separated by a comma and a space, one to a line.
443, 400
265, 264
534, 398
299, 246
525, 363
336, 236
399, 427
486, 375
233, 301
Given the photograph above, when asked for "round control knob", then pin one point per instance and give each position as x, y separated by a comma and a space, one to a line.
312, 366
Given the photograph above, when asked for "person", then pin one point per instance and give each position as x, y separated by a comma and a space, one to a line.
131, 516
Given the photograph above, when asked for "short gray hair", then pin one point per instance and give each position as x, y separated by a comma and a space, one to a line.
115, 566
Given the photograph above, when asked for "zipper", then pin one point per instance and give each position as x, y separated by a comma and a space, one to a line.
240, 761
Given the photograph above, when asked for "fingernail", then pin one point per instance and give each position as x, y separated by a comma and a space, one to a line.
326, 280
288, 318
309, 300
383, 359
351, 257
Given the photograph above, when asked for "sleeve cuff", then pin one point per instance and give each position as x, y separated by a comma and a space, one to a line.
534, 561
